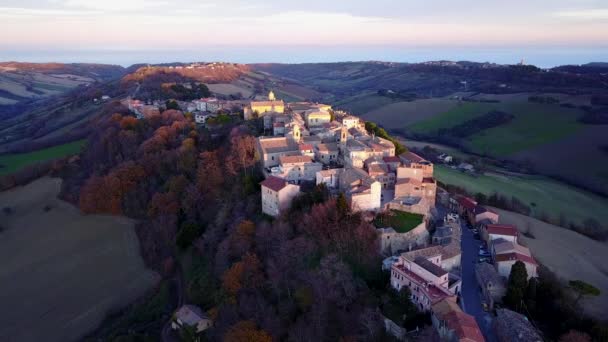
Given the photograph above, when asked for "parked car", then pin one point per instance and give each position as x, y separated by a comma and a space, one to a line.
483, 259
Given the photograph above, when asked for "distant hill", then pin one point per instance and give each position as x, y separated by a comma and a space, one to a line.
432, 79
23, 84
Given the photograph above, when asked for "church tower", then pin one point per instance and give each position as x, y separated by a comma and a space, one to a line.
343, 135
297, 135
271, 96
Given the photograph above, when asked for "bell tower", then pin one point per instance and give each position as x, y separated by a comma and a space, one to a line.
271, 96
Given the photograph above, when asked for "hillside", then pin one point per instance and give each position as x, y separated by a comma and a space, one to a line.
22, 83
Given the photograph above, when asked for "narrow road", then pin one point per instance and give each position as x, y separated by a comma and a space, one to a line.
470, 299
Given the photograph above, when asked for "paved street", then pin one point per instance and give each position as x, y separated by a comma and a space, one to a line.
470, 299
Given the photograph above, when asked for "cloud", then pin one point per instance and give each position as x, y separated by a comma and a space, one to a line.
116, 5
18, 12
586, 14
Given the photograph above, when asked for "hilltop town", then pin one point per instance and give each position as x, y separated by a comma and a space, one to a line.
445, 249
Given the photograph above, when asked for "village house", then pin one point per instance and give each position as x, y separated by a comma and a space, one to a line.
296, 169
426, 280
327, 153
380, 171
500, 231
413, 162
271, 149
484, 216
307, 150
442, 235
450, 255
362, 191
502, 246
192, 316
277, 195
492, 285
350, 121
504, 263
466, 207
452, 324
511, 326
316, 118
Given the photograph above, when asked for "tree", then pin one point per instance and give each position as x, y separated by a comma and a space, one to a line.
171, 104
516, 288
583, 289
342, 205
187, 234
246, 331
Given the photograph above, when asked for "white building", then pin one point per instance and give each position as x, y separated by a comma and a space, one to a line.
296, 169
192, 316
277, 195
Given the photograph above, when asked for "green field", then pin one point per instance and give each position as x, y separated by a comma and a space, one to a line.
10, 163
461, 113
550, 197
401, 221
527, 130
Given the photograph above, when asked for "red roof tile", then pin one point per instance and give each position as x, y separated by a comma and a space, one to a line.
502, 229
393, 159
413, 157
274, 183
517, 257
467, 203
305, 147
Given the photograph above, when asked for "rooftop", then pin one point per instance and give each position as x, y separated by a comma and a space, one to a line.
330, 147
274, 183
488, 274
502, 246
431, 267
427, 253
463, 325
515, 327
276, 145
516, 256
467, 202
190, 315
502, 229
294, 159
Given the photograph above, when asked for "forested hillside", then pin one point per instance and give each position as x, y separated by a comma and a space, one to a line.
312, 274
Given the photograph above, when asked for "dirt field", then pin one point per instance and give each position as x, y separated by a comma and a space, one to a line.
570, 255
577, 158
228, 89
62, 272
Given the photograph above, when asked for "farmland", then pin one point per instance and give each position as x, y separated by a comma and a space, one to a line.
63, 272
396, 116
568, 254
10, 163
549, 197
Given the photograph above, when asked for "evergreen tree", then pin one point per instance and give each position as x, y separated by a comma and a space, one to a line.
342, 205
516, 288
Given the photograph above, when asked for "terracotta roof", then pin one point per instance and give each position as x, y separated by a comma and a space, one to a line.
276, 145
327, 147
393, 159
294, 159
502, 246
412, 157
502, 229
305, 147
190, 315
516, 257
274, 183
463, 325
467, 202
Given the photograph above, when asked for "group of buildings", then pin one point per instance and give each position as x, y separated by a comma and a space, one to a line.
311, 143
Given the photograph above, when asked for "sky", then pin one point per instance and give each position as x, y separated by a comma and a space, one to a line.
273, 30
